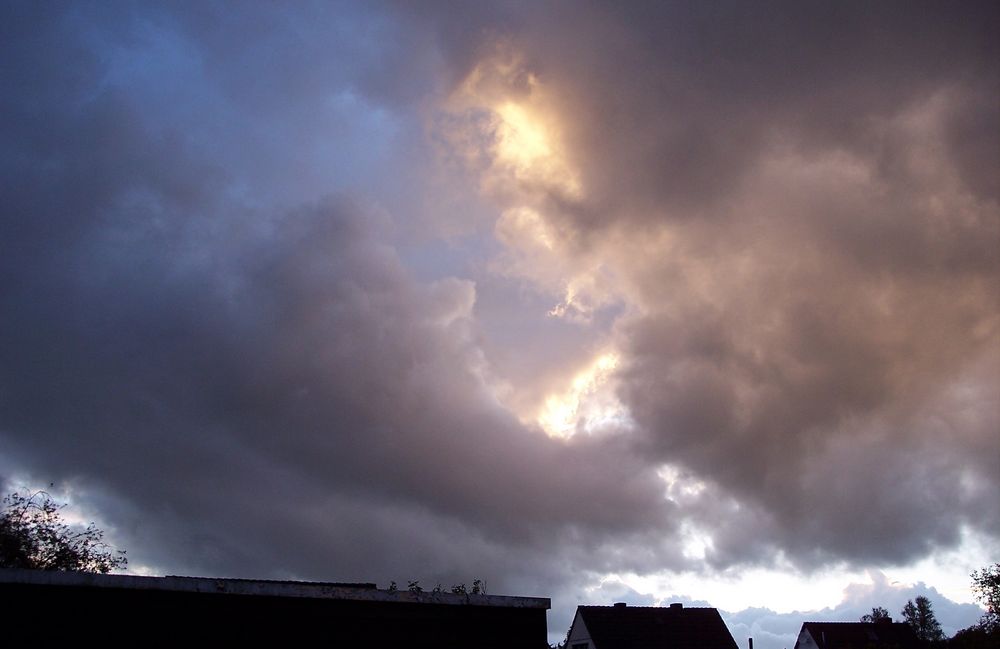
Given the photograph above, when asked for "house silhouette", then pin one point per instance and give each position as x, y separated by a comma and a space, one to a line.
648, 627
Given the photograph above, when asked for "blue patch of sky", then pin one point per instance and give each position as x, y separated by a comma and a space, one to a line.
287, 109
284, 134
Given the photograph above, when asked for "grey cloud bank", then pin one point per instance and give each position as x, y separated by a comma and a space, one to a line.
264, 389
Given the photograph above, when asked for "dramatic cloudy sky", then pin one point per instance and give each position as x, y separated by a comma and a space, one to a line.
690, 301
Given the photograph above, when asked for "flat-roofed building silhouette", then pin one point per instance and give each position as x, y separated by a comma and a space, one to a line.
45, 607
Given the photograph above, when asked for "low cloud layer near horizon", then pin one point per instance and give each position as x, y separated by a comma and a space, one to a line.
525, 293
773, 629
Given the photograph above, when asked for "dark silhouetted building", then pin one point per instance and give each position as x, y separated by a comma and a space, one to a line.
42, 608
856, 635
648, 627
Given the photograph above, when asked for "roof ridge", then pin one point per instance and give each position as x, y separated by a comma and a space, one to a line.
667, 607
847, 622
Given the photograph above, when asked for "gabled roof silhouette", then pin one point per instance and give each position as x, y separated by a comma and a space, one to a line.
857, 635
654, 627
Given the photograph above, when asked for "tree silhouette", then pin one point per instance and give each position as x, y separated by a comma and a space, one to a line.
878, 614
920, 617
986, 586
33, 535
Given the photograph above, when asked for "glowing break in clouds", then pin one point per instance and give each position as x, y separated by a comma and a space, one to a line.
502, 124
588, 403
507, 122
525, 148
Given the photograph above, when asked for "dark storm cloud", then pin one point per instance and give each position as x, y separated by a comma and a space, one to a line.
686, 95
254, 387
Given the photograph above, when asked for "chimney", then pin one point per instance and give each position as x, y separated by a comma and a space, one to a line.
620, 604
676, 605
751, 642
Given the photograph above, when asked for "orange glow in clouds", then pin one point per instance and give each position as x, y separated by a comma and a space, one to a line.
503, 115
524, 146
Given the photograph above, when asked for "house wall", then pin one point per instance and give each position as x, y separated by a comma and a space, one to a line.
578, 635
805, 640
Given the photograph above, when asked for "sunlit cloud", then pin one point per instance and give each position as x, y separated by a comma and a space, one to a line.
501, 116
525, 147
503, 125
525, 229
587, 404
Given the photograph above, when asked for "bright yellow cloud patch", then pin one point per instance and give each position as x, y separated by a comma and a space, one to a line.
522, 142
527, 148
